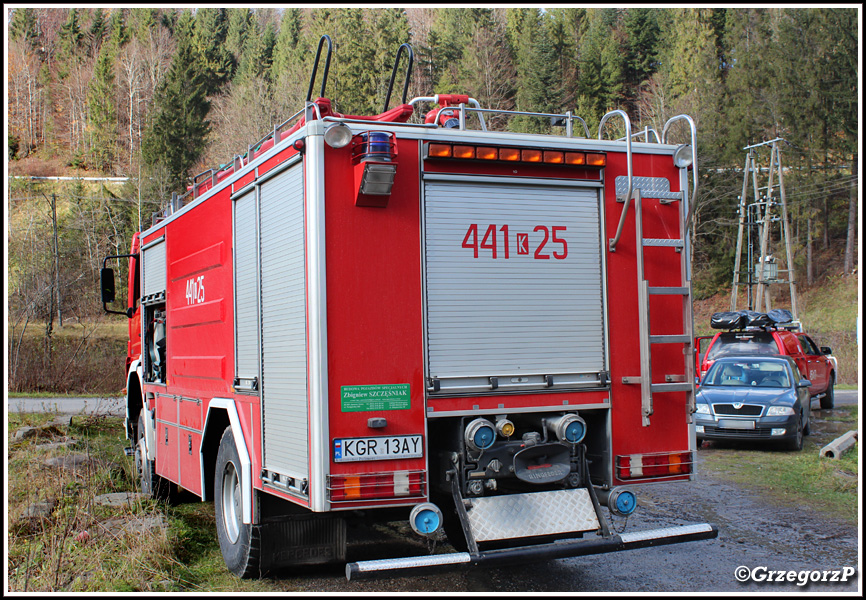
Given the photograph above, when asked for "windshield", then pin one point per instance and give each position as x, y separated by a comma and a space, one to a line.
748, 373
729, 344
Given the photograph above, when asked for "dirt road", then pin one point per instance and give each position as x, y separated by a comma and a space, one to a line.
754, 532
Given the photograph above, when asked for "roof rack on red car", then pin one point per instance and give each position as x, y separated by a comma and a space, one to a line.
751, 320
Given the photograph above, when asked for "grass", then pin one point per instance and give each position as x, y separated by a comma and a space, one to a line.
52, 554
796, 478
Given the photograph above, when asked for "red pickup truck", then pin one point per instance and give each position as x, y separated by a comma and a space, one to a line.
813, 362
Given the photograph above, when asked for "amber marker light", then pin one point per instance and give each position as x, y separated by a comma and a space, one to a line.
530, 155
464, 151
596, 160
439, 150
575, 158
486, 153
512, 154
553, 157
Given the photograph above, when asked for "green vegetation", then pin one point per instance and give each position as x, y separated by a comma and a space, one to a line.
78, 545
828, 486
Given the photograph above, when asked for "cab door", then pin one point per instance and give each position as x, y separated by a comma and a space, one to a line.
702, 344
816, 364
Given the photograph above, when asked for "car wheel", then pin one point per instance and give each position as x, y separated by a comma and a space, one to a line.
796, 443
829, 399
239, 542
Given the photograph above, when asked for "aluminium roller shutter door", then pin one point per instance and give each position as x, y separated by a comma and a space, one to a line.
538, 311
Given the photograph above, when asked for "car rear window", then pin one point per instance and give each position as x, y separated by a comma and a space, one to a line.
728, 344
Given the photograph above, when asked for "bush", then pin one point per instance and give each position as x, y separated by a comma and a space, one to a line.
94, 365
13, 146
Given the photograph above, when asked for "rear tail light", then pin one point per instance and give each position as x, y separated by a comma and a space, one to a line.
653, 466
376, 486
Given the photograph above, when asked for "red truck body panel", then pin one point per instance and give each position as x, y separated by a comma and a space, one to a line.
376, 318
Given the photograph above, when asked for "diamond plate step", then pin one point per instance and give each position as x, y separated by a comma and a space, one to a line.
535, 514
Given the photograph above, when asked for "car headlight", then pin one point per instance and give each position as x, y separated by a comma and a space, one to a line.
778, 411
702, 409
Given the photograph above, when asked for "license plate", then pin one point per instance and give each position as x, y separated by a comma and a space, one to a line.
377, 448
733, 424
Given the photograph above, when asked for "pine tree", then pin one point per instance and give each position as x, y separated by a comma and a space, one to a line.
103, 111
240, 23
211, 27
178, 135
24, 26
286, 48
641, 59
69, 42
97, 31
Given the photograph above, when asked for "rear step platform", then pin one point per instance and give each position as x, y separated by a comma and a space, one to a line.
560, 549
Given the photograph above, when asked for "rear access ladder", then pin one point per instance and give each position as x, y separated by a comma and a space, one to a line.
637, 188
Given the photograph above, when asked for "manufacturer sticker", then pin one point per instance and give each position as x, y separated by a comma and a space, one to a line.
359, 398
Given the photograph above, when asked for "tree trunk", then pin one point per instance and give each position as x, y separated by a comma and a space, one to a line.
852, 217
56, 259
809, 251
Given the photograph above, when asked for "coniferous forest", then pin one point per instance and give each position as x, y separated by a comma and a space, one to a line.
158, 95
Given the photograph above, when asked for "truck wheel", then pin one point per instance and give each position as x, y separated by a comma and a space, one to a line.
240, 542
150, 483
829, 399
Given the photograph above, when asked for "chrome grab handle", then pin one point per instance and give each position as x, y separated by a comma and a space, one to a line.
693, 132
627, 196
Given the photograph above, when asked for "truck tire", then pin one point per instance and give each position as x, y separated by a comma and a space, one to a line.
149, 482
829, 398
240, 542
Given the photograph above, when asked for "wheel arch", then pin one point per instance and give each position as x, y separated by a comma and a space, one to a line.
223, 413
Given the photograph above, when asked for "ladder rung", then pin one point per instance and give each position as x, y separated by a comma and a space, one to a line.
662, 242
670, 339
671, 387
668, 291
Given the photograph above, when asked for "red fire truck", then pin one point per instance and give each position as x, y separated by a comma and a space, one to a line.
484, 332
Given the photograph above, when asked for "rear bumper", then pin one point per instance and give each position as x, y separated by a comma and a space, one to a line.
563, 549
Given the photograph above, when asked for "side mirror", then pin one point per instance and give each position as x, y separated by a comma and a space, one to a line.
804, 383
826, 350
106, 284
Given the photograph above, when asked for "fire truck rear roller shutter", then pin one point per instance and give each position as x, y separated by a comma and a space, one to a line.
522, 314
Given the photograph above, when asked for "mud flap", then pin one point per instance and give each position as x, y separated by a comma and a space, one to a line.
293, 541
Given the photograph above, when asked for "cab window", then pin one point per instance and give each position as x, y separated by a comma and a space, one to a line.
809, 346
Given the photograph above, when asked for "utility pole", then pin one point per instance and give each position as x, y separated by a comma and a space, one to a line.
763, 221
